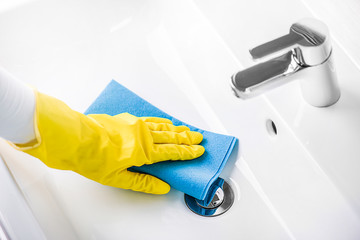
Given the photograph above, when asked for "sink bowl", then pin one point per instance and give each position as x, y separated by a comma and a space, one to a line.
294, 171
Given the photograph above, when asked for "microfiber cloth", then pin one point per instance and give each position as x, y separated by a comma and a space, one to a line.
194, 177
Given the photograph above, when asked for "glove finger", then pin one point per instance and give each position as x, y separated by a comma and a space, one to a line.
165, 152
139, 182
166, 127
148, 184
186, 137
156, 120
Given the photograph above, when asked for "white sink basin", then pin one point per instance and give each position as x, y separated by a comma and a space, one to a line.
300, 183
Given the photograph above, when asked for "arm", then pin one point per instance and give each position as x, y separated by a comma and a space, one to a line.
97, 146
17, 106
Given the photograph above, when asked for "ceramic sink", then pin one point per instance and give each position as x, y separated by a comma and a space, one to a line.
294, 172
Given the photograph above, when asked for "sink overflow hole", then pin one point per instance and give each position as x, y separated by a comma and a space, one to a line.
271, 128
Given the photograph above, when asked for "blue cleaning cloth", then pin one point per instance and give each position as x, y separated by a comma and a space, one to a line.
194, 177
219, 182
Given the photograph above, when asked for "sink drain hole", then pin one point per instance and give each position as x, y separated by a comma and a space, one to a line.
221, 202
271, 128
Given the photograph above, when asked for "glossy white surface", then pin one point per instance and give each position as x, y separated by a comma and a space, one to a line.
299, 184
16, 219
329, 136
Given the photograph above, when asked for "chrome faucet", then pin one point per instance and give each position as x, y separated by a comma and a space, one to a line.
305, 54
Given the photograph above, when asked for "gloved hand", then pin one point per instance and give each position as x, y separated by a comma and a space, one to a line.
103, 147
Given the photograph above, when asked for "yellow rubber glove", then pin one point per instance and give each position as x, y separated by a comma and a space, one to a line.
103, 147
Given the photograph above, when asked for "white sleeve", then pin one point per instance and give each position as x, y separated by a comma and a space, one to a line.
17, 108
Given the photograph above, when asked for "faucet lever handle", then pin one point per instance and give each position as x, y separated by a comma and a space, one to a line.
281, 44
309, 38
